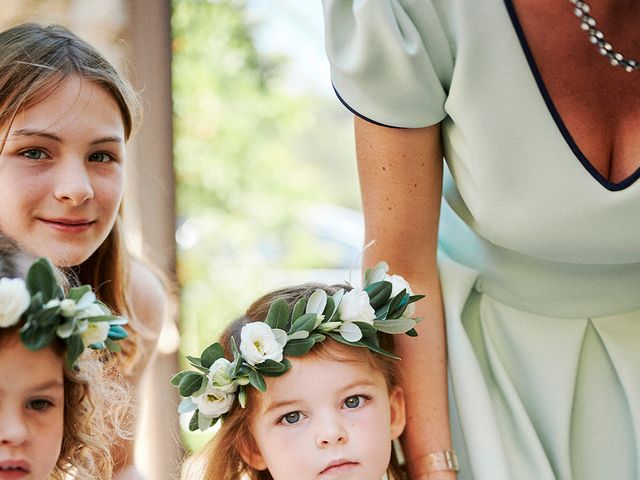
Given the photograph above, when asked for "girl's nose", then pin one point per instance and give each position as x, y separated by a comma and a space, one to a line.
73, 184
13, 429
331, 432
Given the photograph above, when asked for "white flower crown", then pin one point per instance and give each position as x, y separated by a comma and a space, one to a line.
78, 319
352, 318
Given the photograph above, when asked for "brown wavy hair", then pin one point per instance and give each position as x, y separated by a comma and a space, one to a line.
222, 454
35, 61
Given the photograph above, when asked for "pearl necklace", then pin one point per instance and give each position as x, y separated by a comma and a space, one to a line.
597, 38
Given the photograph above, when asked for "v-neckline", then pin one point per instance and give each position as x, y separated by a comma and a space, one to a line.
612, 186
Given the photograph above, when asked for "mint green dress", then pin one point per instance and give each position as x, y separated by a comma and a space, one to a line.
539, 255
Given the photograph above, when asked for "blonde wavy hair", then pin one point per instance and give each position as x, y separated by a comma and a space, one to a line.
35, 61
222, 454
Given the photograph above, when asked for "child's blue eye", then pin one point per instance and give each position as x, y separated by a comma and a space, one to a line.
354, 401
290, 418
39, 404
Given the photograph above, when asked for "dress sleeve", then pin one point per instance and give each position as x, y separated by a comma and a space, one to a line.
391, 60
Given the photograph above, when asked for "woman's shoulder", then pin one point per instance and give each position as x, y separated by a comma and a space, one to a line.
149, 296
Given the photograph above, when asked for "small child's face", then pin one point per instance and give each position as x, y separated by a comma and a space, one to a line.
327, 419
31, 411
62, 173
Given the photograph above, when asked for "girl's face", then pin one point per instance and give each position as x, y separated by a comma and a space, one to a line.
327, 419
31, 411
62, 173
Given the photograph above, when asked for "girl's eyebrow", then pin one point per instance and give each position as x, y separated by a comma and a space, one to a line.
276, 405
26, 132
357, 384
50, 385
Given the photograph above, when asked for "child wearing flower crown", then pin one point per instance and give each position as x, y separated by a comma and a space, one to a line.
305, 384
59, 410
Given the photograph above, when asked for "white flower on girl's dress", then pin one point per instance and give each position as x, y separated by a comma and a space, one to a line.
214, 402
355, 307
14, 300
398, 283
259, 342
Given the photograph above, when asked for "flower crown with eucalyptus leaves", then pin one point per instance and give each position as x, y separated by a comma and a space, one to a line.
352, 318
78, 319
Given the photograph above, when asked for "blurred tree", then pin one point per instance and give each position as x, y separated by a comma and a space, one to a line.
246, 165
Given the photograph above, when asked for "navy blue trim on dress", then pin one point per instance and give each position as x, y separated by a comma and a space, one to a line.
348, 107
556, 116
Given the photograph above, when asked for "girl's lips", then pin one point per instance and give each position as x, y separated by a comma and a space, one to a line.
68, 225
338, 466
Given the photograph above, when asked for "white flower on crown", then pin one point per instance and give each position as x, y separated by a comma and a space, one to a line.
219, 376
93, 310
67, 307
94, 332
214, 402
398, 283
260, 342
14, 300
355, 307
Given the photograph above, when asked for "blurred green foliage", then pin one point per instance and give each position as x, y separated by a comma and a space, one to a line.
248, 157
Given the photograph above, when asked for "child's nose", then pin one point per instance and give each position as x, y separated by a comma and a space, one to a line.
330, 433
73, 183
13, 430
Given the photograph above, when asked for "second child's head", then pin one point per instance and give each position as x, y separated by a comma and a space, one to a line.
320, 390
59, 409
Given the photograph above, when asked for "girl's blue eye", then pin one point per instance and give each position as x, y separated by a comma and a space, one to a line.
39, 404
34, 154
353, 401
100, 157
290, 418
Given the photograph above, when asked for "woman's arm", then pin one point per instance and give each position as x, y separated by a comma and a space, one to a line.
401, 182
149, 301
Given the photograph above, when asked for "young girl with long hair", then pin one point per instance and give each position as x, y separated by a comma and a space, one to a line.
65, 117
308, 387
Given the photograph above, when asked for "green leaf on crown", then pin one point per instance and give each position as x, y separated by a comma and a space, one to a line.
211, 354
306, 322
379, 293
74, 348
193, 423
76, 293
190, 383
296, 348
412, 333
395, 325
298, 308
175, 380
278, 315
398, 304
256, 380
40, 278
112, 346
270, 366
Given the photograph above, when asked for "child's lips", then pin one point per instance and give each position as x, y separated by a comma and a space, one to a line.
14, 469
338, 466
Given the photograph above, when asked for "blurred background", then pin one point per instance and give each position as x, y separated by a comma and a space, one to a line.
242, 178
